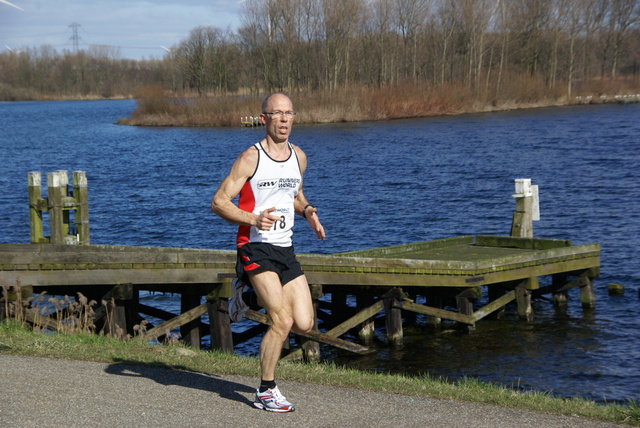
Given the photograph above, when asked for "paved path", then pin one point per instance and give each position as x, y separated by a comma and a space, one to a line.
42, 392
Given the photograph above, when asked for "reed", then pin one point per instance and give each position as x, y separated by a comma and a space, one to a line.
61, 314
157, 107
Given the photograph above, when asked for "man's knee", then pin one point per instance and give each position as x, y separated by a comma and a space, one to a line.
305, 325
282, 324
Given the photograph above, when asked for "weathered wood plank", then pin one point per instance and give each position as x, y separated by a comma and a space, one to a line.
521, 243
494, 306
428, 310
355, 320
174, 323
314, 335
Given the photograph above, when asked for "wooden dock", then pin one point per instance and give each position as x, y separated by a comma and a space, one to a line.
451, 275
383, 280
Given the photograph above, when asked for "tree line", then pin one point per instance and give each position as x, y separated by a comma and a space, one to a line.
486, 46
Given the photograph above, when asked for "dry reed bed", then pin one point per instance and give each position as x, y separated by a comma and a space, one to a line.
158, 107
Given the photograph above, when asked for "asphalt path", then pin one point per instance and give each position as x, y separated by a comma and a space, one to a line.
44, 392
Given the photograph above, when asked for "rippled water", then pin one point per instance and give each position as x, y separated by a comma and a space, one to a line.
376, 184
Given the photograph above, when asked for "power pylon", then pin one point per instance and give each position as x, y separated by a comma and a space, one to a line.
74, 38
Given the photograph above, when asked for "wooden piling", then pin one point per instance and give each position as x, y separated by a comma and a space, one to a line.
54, 198
190, 332
559, 297
366, 330
587, 294
34, 181
81, 216
523, 300
60, 204
393, 317
219, 325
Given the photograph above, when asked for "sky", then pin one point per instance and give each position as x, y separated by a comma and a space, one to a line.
139, 28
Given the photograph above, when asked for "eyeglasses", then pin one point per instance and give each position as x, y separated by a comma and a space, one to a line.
278, 114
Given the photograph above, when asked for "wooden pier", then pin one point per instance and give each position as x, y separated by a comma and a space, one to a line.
452, 276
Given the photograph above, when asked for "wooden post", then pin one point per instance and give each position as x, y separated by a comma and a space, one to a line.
393, 318
434, 299
34, 180
121, 309
364, 299
559, 298
527, 210
64, 191
587, 294
220, 325
523, 299
496, 291
464, 301
311, 348
338, 305
54, 196
81, 215
190, 331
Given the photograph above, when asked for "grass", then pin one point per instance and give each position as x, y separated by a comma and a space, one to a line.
15, 338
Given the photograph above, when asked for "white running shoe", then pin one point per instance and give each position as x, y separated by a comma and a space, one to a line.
273, 401
237, 306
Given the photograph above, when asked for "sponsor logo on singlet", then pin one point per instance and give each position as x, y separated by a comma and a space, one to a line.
281, 183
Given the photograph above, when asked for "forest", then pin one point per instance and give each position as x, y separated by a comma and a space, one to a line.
488, 51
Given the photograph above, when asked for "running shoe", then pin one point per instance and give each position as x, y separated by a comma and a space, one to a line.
272, 401
237, 306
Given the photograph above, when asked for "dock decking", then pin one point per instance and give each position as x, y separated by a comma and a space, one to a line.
382, 280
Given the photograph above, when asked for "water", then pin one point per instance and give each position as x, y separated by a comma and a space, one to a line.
377, 184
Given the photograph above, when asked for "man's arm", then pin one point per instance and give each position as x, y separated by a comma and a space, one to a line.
222, 202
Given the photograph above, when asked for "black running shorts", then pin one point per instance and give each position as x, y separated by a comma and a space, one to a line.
260, 257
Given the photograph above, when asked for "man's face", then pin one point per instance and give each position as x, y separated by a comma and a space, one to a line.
278, 126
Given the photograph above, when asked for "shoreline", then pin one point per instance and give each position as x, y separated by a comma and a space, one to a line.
169, 121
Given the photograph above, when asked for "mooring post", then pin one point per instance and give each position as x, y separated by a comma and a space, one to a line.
56, 182
527, 211
34, 180
527, 208
81, 215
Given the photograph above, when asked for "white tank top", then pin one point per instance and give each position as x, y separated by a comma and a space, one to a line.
273, 184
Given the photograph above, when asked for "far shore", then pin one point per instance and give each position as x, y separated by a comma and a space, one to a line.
194, 114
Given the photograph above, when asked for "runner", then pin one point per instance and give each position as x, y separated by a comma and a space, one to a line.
268, 179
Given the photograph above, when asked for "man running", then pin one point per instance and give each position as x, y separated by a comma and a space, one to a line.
268, 179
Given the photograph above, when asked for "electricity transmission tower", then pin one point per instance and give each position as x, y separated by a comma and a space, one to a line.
74, 38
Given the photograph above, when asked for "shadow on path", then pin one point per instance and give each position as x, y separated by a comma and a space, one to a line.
167, 375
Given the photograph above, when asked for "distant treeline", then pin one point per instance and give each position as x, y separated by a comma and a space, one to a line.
494, 49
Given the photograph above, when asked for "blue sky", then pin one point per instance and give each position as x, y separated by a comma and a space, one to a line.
138, 27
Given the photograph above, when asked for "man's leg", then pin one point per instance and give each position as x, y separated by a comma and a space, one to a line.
288, 306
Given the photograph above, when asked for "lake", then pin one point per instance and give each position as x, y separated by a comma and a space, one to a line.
378, 184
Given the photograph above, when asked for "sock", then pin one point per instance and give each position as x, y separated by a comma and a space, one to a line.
266, 384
